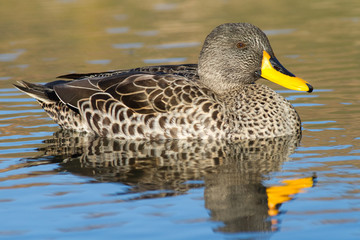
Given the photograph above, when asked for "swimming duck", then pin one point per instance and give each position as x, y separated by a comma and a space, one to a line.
216, 98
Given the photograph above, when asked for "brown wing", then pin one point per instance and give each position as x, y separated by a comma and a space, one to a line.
186, 70
143, 93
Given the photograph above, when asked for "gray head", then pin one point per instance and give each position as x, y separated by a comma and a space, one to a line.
232, 55
236, 54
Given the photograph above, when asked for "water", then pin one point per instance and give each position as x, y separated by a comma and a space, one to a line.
59, 186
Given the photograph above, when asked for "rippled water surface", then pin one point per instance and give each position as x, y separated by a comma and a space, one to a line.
56, 185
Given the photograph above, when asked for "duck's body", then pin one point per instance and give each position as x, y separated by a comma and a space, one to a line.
212, 100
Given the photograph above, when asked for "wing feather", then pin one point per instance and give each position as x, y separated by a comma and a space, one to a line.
149, 92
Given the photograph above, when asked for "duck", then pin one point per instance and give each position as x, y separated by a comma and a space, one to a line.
217, 98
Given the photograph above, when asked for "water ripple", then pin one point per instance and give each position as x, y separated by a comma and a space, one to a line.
295, 97
165, 6
163, 60
128, 45
177, 45
99, 61
8, 112
307, 104
117, 30
275, 32
319, 122
325, 148
9, 57
148, 33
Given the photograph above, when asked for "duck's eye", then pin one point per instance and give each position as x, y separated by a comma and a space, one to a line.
240, 45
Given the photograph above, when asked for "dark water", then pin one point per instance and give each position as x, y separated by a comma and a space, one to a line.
54, 185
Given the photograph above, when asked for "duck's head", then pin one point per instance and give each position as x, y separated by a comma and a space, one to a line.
235, 54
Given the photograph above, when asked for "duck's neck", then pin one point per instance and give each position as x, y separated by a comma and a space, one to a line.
223, 87
221, 77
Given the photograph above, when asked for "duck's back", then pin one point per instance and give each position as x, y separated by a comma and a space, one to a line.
149, 102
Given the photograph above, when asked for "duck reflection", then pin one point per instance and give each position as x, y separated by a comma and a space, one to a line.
232, 173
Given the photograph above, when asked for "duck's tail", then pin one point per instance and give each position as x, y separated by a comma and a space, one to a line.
42, 93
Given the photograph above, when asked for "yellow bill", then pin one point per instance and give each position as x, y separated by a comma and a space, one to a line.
272, 70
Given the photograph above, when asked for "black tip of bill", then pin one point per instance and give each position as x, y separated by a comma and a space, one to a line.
310, 88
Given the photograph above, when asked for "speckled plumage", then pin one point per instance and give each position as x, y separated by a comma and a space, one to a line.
214, 100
